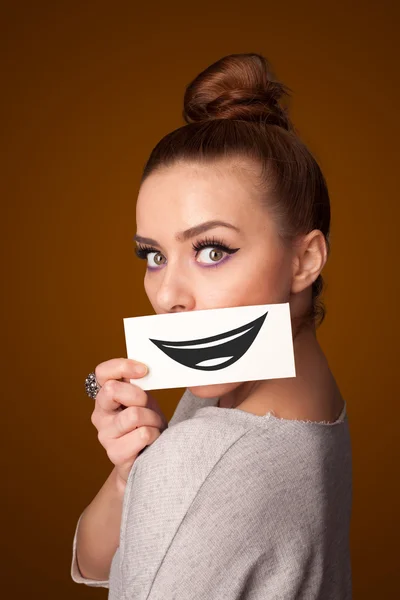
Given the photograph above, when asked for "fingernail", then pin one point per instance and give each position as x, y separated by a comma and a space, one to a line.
140, 369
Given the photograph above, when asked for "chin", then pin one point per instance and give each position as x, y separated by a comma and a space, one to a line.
213, 391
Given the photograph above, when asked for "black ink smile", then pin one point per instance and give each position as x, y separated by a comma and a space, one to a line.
225, 353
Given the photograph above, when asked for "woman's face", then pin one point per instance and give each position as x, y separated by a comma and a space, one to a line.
209, 243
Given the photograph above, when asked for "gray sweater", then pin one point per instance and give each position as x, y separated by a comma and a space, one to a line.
228, 505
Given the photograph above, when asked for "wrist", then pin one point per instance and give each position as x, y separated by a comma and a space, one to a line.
119, 482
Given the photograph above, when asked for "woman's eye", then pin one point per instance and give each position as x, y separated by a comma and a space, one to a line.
211, 254
157, 257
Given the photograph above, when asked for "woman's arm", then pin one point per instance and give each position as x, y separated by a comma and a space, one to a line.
99, 530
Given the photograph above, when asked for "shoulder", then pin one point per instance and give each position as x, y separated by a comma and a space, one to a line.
190, 446
208, 451
281, 464
205, 476
224, 475
218, 448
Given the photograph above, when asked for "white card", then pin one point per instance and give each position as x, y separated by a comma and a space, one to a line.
205, 347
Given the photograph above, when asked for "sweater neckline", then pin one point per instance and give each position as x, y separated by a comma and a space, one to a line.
237, 413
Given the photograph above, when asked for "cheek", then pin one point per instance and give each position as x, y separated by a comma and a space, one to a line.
267, 286
252, 282
149, 289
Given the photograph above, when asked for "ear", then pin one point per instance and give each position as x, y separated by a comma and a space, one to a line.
310, 255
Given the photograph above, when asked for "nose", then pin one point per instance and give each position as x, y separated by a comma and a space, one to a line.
175, 292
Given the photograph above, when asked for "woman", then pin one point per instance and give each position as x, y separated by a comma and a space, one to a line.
253, 501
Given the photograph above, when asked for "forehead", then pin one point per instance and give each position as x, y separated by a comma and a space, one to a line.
193, 192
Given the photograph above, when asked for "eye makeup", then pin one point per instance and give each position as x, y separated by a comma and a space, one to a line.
142, 251
213, 243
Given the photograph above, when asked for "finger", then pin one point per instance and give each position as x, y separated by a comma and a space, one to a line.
126, 448
132, 418
114, 393
119, 368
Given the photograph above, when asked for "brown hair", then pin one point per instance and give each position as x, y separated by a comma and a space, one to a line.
232, 110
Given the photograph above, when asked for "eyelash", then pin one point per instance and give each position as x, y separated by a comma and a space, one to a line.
143, 251
214, 243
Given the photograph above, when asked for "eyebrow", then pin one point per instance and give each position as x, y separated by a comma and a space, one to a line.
183, 236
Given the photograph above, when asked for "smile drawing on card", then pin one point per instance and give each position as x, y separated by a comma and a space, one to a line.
212, 346
215, 352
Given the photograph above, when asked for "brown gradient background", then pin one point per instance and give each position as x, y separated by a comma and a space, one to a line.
87, 91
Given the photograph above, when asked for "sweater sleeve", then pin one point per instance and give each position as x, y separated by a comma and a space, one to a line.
75, 572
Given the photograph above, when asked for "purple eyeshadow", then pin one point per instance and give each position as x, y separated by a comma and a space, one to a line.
217, 264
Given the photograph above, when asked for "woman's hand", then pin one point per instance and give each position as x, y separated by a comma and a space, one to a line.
126, 417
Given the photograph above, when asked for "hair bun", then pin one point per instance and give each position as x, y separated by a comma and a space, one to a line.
238, 86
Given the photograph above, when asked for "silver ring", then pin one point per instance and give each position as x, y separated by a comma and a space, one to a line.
92, 386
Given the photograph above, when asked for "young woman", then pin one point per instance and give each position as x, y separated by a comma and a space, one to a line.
247, 493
